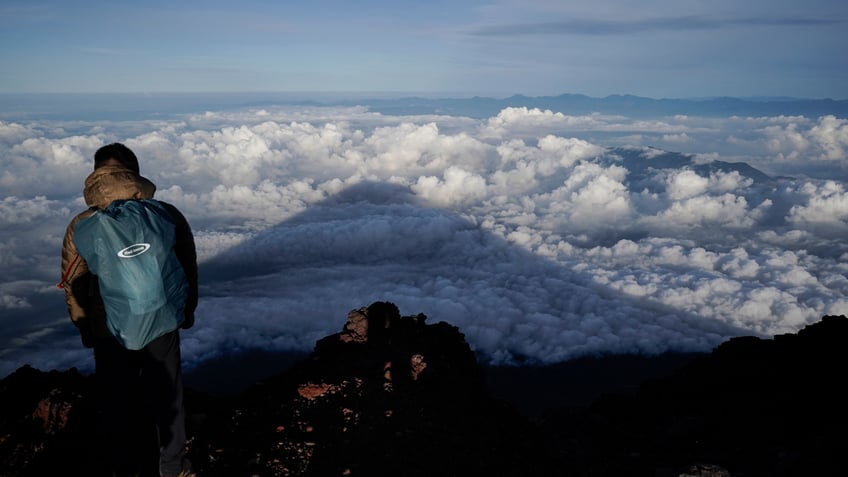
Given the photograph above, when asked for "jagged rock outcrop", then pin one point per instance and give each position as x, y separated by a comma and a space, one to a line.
396, 395
389, 395
43, 423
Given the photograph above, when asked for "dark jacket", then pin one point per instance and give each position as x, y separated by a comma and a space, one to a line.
114, 181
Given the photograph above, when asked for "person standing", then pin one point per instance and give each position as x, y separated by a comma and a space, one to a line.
154, 371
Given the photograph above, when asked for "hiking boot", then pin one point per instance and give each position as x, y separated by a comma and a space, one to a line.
187, 471
183, 473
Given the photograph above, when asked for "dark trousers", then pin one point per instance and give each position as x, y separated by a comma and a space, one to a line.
134, 388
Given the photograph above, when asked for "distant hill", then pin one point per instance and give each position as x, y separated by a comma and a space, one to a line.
126, 106
628, 105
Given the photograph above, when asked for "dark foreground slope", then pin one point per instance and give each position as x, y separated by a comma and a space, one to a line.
395, 395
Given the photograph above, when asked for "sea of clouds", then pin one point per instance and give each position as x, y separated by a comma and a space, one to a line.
543, 236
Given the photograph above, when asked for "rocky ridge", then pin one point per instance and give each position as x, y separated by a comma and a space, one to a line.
396, 395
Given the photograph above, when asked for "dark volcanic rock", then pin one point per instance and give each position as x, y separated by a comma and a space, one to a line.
395, 395
753, 407
389, 395
43, 427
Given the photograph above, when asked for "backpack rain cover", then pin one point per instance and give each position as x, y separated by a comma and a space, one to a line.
129, 245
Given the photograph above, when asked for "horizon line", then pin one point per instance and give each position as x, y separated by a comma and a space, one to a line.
341, 94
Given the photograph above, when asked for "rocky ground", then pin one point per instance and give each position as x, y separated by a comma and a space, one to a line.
398, 395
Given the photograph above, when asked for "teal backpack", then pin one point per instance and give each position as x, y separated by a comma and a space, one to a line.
129, 245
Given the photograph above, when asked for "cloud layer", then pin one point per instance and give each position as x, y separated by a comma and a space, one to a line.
543, 236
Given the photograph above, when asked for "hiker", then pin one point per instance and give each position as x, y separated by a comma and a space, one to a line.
150, 376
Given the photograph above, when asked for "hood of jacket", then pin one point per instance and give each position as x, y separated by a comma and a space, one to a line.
114, 181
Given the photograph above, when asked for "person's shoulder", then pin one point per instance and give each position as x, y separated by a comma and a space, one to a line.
167, 205
173, 210
82, 215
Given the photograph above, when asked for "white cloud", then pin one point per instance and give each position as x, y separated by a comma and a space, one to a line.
13, 301
523, 120
827, 204
675, 139
521, 229
457, 187
727, 209
685, 184
14, 133
799, 140
57, 165
590, 197
233, 156
831, 137
15, 211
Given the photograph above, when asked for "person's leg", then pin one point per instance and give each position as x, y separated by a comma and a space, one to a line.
164, 387
116, 378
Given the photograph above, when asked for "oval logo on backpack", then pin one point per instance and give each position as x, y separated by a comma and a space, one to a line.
134, 250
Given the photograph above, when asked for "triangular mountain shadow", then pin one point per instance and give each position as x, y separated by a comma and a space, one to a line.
263, 254
433, 256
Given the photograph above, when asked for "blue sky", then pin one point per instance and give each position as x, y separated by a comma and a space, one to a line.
655, 48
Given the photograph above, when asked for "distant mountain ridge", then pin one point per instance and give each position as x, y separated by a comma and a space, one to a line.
643, 162
122, 106
628, 105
